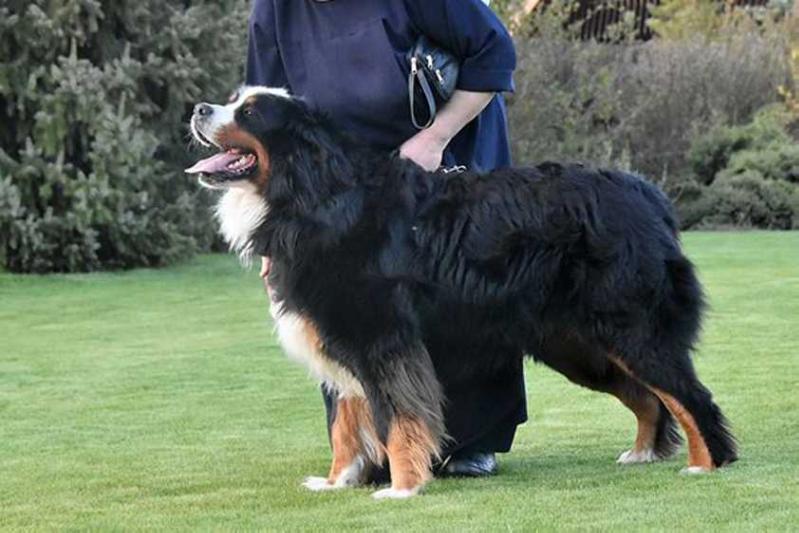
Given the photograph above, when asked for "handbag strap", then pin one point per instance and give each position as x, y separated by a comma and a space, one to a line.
416, 73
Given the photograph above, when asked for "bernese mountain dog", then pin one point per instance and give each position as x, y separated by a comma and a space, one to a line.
382, 271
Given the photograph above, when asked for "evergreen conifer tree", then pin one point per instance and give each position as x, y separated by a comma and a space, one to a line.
94, 97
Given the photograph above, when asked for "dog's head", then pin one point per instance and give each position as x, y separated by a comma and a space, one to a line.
239, 130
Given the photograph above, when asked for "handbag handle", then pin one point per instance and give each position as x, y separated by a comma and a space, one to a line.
417, 74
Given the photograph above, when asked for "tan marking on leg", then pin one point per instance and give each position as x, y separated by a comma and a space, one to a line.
698, 452
345, 436
646, 410
621, 364
410, 449
353, 438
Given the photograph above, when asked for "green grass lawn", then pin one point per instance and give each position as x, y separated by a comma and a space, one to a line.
159, 399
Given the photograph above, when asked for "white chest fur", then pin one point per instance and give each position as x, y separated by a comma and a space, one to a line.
240, 211
301, 342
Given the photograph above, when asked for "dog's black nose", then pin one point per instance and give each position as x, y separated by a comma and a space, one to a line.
203, 110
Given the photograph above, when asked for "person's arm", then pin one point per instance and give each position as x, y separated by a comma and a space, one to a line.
471, 31
426, 148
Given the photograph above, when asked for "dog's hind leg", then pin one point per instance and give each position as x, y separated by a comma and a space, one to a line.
673, 380
355, 446
657, 436
587, 365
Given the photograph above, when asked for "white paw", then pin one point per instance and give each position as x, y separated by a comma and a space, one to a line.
695, 470
395, 494
317, 484
632, 457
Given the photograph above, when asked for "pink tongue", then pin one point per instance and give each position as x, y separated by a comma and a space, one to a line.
213, 164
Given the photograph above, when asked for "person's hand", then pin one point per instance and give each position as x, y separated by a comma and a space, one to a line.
425, 149
266, 266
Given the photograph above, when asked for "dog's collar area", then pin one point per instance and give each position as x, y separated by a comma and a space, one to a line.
456, 169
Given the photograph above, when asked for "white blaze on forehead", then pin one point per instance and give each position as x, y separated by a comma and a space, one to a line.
246, 92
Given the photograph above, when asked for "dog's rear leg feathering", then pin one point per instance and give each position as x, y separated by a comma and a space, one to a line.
585, 364
664, 366
710, 444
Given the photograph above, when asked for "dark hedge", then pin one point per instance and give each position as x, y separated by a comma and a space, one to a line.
93, 102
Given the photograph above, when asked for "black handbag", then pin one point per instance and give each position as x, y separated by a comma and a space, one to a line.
431, 81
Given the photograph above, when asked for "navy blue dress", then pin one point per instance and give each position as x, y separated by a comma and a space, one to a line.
347, 57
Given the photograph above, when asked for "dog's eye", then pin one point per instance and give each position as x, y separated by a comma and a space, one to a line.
248, 112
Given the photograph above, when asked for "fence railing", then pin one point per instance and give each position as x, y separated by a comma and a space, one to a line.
595, 17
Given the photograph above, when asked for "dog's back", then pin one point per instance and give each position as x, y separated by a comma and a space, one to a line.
554, 230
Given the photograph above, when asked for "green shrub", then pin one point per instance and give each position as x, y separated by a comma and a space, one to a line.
95, 96
684, 111
776, 162
642, 104
746, 200
745, 176
764, 145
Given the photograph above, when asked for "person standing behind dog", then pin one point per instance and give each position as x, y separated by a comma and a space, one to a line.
348, 58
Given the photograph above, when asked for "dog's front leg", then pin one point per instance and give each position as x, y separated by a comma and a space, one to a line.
409, 420
355, 446
381, 347
411, 446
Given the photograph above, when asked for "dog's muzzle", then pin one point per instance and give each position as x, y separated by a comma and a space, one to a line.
203, 110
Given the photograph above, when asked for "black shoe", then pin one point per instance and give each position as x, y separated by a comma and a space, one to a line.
471, 465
